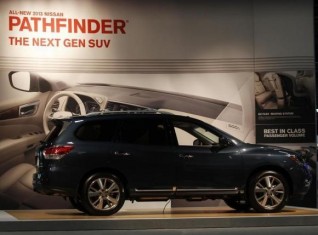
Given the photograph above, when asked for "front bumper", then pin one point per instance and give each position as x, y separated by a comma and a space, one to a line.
302, 178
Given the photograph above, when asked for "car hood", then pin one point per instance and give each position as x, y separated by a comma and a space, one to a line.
269, 149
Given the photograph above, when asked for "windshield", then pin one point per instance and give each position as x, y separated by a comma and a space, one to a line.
207, 135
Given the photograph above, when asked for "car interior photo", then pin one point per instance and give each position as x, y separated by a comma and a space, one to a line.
279, 90
31, 101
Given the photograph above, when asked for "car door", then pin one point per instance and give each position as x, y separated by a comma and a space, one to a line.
143, 154
204, 163
21, 125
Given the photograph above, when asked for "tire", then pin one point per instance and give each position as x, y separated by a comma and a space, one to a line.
102, 194
237, 204
268, 192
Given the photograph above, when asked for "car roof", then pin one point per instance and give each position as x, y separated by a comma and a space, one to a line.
105, 114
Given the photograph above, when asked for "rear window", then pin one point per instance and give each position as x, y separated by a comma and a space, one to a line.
97, 131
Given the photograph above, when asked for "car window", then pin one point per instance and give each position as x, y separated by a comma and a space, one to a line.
104, 130
189, 134
143, 132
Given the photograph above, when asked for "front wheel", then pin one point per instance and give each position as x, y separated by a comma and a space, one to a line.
102, 194
268, 192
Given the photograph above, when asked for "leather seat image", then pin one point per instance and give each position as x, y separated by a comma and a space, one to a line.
264, 97
272, 82
16, 191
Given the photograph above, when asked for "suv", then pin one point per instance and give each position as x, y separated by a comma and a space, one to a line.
100, 160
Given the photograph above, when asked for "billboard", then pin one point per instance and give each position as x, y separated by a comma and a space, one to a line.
214, 60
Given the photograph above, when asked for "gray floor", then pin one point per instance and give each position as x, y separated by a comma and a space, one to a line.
265, 224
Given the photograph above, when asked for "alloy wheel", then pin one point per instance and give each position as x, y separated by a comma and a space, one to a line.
269, 191
102, 194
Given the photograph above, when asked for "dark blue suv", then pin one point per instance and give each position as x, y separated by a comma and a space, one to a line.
100, 160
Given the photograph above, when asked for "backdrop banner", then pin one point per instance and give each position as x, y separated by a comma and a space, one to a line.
245, 66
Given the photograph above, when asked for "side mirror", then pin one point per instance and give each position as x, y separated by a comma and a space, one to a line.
20, 80
224, 142
29, 82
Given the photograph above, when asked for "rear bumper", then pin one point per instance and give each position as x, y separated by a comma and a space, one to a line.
42, 185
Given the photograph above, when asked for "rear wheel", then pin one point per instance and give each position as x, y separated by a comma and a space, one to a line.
102, 194
268, 191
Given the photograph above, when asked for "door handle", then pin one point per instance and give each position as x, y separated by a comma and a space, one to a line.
186, 156
28, 109
122, 154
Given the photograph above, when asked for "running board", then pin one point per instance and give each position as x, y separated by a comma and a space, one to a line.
163, 194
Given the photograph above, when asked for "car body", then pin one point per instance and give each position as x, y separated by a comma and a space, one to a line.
100, 160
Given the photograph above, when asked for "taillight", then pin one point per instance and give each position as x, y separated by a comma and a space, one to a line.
56, 152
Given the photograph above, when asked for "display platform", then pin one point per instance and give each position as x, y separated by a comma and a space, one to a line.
217, 220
